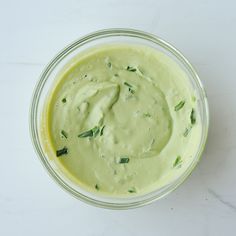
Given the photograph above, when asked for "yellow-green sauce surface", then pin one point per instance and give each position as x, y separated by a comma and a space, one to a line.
122, 120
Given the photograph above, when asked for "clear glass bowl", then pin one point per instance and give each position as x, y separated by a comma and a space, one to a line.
46, 82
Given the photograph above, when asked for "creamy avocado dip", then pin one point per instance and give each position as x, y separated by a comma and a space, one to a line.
122, 120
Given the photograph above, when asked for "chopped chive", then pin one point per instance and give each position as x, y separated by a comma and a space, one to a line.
130, 87
179, 105
127, 84
90, 133
96, 131
124, 160
96, 186
131, 90
146, 114
86, 134
64, 100
62, 151
116, 75
177, 162
64, 133
101, 132
193, 117
130, 68
187, 130
132, 190
109, 64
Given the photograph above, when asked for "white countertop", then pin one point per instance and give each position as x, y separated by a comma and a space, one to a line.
32, 32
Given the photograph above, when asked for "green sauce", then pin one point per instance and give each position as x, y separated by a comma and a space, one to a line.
121, 120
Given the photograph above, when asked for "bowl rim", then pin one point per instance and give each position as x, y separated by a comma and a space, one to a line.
33, 114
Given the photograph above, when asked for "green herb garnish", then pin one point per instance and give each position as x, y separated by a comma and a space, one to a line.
130, 68
90, 133
109, 64
147, 114
64, 133
101, 132
64, 100
116, 75
96, 186
187, 130
132, 190
62, 151
124, 160
86, 134
193, 117
179, 105
177, 162
96, 131
127, 84
131, 90
130, 87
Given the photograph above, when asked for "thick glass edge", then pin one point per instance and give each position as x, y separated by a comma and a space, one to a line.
42, 80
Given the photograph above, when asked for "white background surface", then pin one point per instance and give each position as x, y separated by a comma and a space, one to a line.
32, 32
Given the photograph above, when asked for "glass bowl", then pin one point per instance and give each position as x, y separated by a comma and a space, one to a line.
46, 82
